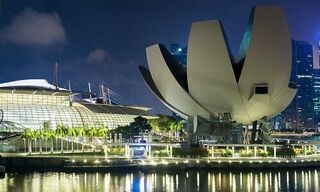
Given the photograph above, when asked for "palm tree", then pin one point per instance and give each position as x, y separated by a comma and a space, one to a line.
91, 132
46, 132
61, 132
103, 132
82, 133
28, 134
51, 135
154, 123
39, 134
72, 132
176, 126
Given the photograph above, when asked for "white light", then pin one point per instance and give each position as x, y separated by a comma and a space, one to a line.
208, 161
260, 161
302, 161
279, 161
176, 162
250, 161
97, 161
85, 161
219, 161
287, 161
269, 161
73, 161
295, 161
164, 162
230, 161
197, 161
179, 49
153, 162
240, 161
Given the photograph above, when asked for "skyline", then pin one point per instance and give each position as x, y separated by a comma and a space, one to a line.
110, 49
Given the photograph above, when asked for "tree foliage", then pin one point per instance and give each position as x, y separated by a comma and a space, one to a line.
166, 125
139, 126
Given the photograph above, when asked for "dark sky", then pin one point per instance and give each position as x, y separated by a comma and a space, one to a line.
105, 41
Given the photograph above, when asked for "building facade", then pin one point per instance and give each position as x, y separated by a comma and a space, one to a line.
180, 54
316, 86
31, 103
301, 112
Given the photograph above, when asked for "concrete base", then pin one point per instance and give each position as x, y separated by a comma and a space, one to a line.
2, 171
222, 133
154, 164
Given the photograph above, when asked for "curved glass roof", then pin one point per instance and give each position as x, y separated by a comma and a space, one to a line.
31, 83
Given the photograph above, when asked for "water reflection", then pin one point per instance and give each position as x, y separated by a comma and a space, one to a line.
303, 180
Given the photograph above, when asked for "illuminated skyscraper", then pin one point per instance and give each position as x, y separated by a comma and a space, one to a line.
300, 113
316, 87
180, 54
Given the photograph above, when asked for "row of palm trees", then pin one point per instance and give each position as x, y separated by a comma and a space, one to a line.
62, 132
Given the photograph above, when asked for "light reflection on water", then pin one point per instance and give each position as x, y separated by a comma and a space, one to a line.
299, 180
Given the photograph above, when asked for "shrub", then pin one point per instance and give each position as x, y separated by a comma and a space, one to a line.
305, 151
116, 151
298, 151
160, 153
285, 151
309, 152
192, 151
226, 153
246, 153
262, 153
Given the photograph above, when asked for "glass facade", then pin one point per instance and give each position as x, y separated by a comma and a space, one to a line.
32, 109
300, 112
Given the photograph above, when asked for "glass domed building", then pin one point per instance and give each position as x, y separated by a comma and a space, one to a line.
33, 102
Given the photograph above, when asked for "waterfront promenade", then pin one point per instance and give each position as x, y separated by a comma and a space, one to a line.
98, 161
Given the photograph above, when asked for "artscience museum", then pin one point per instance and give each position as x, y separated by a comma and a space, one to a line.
214, 85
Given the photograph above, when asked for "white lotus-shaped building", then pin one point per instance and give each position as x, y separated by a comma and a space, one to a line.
256, 86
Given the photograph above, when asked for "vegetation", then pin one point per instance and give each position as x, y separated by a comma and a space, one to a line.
116, 151
28, 135
226, 153
308, 152
192, 152
262, 153
284, 152
160, 153
246, 153
304, 151
61, 132
140, 126
167, 127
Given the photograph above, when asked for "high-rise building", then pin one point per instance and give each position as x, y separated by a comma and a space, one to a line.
300, 113
180, 54
316, 85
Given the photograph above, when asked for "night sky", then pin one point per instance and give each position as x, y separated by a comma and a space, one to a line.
105, 41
